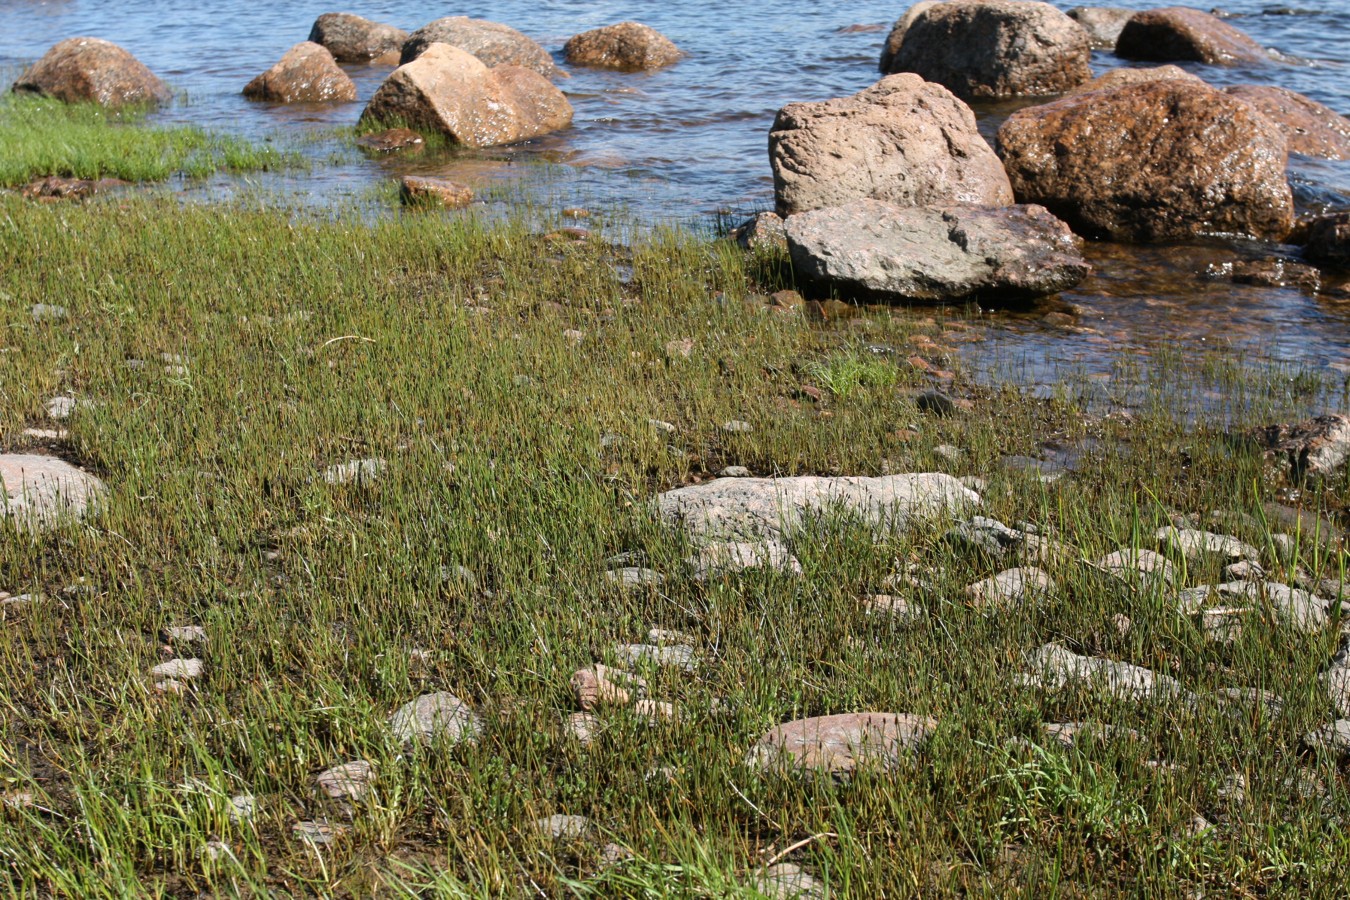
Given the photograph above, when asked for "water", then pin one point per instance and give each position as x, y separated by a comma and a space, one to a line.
689, 141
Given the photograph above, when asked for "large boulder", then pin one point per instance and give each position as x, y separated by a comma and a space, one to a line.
995, 48
450, 91
903, 140
1114, 78
1157, 161
353, 39
493, 43
307, 73
85, 69
1102, 23
1311, 128
1176, 33
629, 46
876, 250
897, 34
40, 491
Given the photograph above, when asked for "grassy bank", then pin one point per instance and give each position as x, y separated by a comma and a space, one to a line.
223, 359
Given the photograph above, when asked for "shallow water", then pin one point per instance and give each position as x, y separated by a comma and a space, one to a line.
690, 141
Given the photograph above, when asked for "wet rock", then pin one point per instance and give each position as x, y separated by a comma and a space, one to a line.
672, 656
902, 140
599, 686
491, 42
769, 507
1102, 23
353, 39
356, 471
434, 717
306, 73
896, 37
730, 557
1195, 544
1176, 33
1214, 164
1053, 666
449, 91
563, 828
840, 744
56, 187
1270, 272
1010, 587
628, 46
85, 69
1329, 241
1072, 734
764, 230
787, 881
935, 254
422, 190
1316, 448
995, 48
1144, 567
391, 140
179, 669
1115, 78
1310, 128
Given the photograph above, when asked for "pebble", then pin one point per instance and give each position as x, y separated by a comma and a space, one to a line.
215, 850
1147, 567
356, 470
675, 656
574, 335
181, 669
682, 348
736, 426
563, 828
787, 881
185, 634
664, 636
46, 434
1332, 739
1054, 666
935, 403
1071, 734
318, 832
633, 577
439, 716
1011, 586
1244, 570
583, 726
61, 408
242, 808
654, 710
1193, 544
893, 607
598, 686
349, 781
661, 426
734, 472
948, 452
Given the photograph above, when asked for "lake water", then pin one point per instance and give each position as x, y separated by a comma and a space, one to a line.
687, 142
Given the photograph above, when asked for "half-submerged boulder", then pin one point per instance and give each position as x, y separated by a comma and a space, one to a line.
1179, 34
493, 43
307, 73
1329, 241
879, 251
354, 39
995, 48
628, 46
450, 91
1102, 23
1310, 128
903, 140
1158, 161
85, 69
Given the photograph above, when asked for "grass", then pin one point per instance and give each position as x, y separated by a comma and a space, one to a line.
41, 137
515, 448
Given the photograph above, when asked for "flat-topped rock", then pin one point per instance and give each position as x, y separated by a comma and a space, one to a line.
1310, 128
40, 490
86, 69
840, 744
1115, 78
1055, 666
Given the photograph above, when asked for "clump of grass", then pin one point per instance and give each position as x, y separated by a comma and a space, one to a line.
41, 137
843, 373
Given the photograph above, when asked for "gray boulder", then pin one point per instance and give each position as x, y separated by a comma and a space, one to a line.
1102, 23
493, 43
353, 39
40, 491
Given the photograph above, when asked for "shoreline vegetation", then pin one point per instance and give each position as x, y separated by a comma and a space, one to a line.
350, 464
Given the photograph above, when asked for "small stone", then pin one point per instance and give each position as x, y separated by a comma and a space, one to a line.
683, 348
439, 716
1244, 570
654, 710
19, 800
597, 686
583, 726
360, 471
896, 608
1053, 666
46, 312
634, 578
390, 140
576, 212
730, 557
563, 828
948, 452
347, 782
182, 669
935, 403
1121, 624
320, 833
46, 434
983, 536
786, 881
1193, 544
734, 472
612, 855
171, 686
1072, 734
242, 808
60, 408
574, 335
1146, 567
675, 656
1011, 586
763, 230
736, 426
666, 636
415, 190
839, 744
185, 634
1332, 739
661, 426
1223, 625
215, 850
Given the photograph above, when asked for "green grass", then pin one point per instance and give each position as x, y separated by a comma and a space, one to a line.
41, 137
445, 346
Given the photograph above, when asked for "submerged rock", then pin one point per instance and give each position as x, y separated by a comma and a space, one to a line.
417, 190
85, 69
628, 46
956, 253
493, 43
390, 140
1310, 128
1176, 33
1315, 448
841, 744
55, 187
1329, 241
353, 39
307, 73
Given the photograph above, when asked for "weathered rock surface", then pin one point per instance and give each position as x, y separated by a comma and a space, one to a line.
1102, 23
600, 685
1176, 33
1315, 448
440, 716
902, 140
1010, 588
936, 254
1145, 567
307, 73
86, 69
1150, 162
450, 91
40, 491
841, 744
1115, 78
424, 190
788, 881
628, 46
1076, 734
729, 557
1332, 739
181, 669
493, 43
1329, 240
764, 230
1298, 608
563, 828
353, 39
897, 33
1310, 128
769, 507
1195, 544
995, 48
1054, 666
349, 782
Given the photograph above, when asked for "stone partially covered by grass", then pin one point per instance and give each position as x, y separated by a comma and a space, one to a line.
41, 137
350, 465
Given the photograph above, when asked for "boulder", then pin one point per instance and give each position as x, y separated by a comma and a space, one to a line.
1115, 78
1158, 161
85, 69
1176, 33
897, 34
42, 490
1310, 128
1329, 240
841, 744
1102, 23
493, 43
756, 508
903, 140
450, 91
423, 190
629, 46
995, 48
353, 39
307, 73
877, 250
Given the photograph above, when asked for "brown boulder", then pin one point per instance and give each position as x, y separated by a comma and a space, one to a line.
897, 33
1151, 162
353, 39
995, 48
1329, 240
629, 46
904, 140
88, 69
493, 43
1121, 77
1178, 33
1311, 128
1102, 23
307, 73
841, 744
450, 91
418, 190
